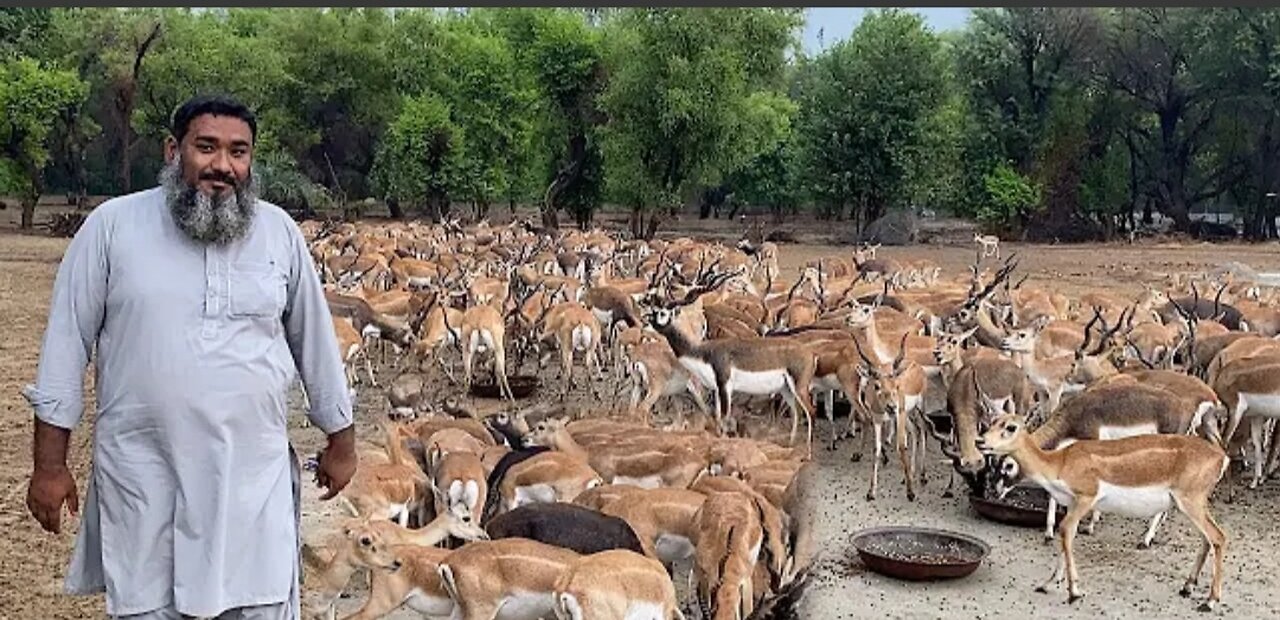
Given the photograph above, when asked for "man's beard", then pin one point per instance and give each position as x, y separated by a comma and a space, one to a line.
204, 218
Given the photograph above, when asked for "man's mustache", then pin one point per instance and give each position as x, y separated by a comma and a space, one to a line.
219, 177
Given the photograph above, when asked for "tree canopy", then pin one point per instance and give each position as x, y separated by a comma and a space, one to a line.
1064, 123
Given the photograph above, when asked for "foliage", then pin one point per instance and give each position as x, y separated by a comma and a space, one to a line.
421, 159
683, 85
1009, 195
1045, 119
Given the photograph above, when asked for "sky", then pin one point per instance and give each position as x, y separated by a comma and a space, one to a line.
837, 23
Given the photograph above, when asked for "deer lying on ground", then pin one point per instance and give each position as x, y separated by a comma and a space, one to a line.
501, 579
567, 525
332, 565
616, 585
1139, 476
647, 464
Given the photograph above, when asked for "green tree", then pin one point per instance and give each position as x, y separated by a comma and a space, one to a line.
421, 158
682, 85
32, 98
867, 110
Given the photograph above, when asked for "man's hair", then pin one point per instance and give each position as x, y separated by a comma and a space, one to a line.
217, 105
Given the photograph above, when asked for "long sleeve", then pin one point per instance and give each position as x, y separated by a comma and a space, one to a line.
75, 319
313, 343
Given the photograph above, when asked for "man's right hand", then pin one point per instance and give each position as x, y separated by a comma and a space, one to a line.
51, 487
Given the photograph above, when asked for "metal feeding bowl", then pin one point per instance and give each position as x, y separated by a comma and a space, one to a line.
919, 553
522, 386
1021, 506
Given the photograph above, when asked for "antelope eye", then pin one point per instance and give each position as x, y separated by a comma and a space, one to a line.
365, 541
1010, 428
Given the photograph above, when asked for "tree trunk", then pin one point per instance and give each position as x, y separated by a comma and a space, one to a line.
28, 214
124, 109
566, 176
393, 206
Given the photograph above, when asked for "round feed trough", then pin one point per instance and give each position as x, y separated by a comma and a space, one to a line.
522, 386
920, 553
1021, 506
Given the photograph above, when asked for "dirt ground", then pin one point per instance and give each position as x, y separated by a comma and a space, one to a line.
1119, 579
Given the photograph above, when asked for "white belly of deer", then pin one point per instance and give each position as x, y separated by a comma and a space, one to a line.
826, 382
673, 548
757, 382
644, 482
644, 610
1133, 501
535, 493
419, 281
429, 604
1267, 405
1056, 489
699, 369
1120, 432
527, 606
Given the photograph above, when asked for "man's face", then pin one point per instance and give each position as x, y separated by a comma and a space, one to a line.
209, 184
216, 153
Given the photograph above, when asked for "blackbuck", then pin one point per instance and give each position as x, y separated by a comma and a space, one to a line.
730, 537
1111, 411
504, 579
762, 367
390, 490
352, 548
1250, 390
616, 585
1141, 476
988, 245
894, 392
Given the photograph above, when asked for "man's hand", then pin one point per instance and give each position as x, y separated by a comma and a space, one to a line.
51, 482
50, 488
337, 462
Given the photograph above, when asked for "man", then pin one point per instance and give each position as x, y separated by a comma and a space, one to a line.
204, 305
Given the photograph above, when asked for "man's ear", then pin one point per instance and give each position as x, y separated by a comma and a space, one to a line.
170, 149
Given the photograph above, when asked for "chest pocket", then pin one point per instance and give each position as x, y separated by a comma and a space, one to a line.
257, 290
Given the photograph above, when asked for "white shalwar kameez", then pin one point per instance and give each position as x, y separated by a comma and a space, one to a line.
193, 499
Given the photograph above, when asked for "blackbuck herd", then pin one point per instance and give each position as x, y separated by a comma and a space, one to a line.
583, 508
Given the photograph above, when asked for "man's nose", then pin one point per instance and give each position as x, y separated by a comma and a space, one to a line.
222, 163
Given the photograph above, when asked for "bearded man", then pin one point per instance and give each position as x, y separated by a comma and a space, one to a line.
204, 305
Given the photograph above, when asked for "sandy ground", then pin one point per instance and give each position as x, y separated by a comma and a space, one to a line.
1119, 579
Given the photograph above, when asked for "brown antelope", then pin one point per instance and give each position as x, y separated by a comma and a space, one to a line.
507, 578
458, 482
894, 391
1115, 410
1049, 375
663, 520
347, 551
1249, 389
647, 464
388, 490
616, 585
352, 347
483, 330
988, 245
1140, 476
575, 330
655, 371
551, 476
730, 538
757, 367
